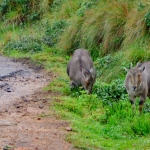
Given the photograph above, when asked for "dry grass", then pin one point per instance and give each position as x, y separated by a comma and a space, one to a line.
66, 10
135, 28
110, 26
115, 20
71, 37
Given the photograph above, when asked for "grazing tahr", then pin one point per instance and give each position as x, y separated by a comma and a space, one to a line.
137, 83
81, 71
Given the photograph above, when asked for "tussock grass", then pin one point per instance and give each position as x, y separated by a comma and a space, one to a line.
72, 34
65, 9
114, 26
137, 54
135, 28
108, 27
93, 28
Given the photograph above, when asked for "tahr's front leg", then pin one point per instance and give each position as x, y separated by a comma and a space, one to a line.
132, 101
141, 103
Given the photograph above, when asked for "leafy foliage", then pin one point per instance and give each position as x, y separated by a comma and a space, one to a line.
147, 18
112, 92
26, 10
84, 6
25, 44
52, 32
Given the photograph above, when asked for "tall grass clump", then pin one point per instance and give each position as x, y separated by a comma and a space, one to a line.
102, 26
64, 9
137, 26
92, 28
73, 32
137, 53
71, 40
19, 12
107, 26
115, 21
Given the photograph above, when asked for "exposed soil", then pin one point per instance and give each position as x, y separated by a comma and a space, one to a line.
22, 105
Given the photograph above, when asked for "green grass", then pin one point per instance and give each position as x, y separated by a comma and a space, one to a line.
96, 126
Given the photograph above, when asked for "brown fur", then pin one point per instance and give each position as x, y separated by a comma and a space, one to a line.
137, 83
81, 71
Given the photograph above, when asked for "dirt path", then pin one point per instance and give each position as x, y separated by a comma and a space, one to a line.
22, 104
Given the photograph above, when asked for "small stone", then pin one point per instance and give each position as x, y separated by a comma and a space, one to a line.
24, 99
68, 128
41, 106
8, 90
38, 118
35, 100
17, 106
37, 76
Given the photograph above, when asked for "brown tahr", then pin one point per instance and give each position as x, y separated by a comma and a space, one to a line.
137, 83
81, 71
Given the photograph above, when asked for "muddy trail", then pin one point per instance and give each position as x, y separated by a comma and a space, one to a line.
23, 104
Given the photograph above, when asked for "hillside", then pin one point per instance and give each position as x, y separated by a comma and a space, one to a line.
115, 32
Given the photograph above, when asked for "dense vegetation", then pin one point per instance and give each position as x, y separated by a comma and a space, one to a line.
115, 32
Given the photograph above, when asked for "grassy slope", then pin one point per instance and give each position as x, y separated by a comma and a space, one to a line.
96, 125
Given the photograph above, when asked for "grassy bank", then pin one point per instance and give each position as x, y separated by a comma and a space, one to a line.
103, 120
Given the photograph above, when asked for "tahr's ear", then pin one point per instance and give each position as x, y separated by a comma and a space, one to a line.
93, 72
86, 73
142, 69
138, 64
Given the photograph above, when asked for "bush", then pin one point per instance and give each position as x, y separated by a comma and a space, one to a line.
84, 6
24, 44
112, 92
53, 32
26, 10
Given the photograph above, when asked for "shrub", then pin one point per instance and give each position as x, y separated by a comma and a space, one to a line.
24, 44
73, 37
110, 93
53, 32
111, 67
25, 10
84, 6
